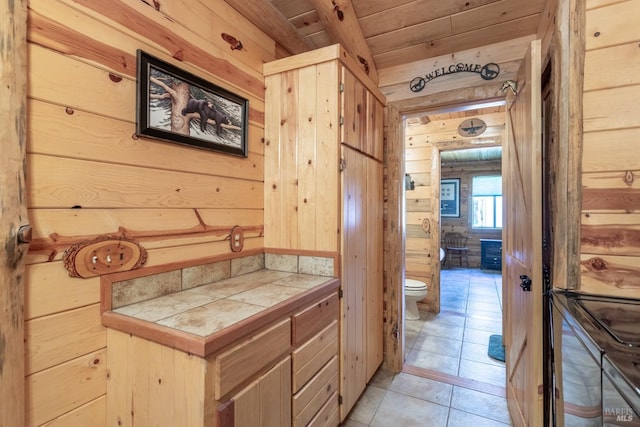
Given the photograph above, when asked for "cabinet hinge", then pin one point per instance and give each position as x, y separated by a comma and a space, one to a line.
341, 120
341, 87
340, 293
343, 164
339, 399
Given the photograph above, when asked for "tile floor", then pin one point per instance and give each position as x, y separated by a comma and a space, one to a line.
448, 379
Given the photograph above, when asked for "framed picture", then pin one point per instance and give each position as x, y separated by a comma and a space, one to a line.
450, 197
177, 106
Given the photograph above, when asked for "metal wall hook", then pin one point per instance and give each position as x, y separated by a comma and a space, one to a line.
510, 84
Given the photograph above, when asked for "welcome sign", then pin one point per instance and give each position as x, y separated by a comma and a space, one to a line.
488, 72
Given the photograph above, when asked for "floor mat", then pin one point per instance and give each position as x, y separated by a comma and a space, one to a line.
496, 349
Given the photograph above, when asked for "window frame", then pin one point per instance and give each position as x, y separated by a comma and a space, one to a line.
494, 199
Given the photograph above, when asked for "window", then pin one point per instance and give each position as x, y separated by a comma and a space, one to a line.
487, 202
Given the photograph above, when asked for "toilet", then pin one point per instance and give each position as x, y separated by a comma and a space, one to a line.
414, 291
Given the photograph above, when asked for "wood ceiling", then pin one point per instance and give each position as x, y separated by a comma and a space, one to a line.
390, 33
397, 40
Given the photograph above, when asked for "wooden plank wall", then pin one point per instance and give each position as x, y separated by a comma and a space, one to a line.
610, 231
89, 175
462, 225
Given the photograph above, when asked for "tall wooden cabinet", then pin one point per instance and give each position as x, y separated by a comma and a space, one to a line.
323, 190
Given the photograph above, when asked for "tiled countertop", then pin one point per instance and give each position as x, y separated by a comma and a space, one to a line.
202, 319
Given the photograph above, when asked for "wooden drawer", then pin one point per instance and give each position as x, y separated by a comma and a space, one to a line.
328, 415
245, 360
315, 393
311, 320
313, 355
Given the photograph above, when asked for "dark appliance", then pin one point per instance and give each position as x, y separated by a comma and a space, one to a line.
491, 254
596, 360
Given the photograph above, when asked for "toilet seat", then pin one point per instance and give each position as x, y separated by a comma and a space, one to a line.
414, 285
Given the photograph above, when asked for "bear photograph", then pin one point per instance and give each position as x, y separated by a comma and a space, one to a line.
176, 106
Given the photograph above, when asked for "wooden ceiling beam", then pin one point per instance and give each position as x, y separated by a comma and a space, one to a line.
341, 22
264, 15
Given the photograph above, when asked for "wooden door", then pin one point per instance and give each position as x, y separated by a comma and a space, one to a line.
522, 237
374, 321
352, 305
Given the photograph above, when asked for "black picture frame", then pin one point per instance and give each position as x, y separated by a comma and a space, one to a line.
450, 197
171, 103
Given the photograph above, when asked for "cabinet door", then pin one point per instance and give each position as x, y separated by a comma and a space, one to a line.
354, 251
267, 401
363, 117
354, 100
361, 305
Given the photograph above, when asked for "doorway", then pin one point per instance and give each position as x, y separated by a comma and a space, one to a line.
453, 345
466, 140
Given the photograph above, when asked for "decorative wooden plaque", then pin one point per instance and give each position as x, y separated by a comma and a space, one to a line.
104, 255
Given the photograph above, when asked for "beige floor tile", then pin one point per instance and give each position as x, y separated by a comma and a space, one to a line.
447, 317
351, 423
477, 336
443, 330
422, 388
459, 307
409, 339
366, 407
483, 291
398, 409
492, 307
433, 361
382, 378
458, 418
482, 404
439, 345
483, 372
484, 324
413, 325
478, 353
491, 299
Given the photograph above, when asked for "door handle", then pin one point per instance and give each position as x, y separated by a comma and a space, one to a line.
525, 283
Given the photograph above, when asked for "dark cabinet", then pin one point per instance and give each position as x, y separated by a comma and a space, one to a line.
491, 254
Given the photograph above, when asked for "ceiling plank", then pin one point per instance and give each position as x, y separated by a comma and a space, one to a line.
470, 40
416, 12
264, 15
342, 24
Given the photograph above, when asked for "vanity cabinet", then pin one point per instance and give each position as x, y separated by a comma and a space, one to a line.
324, 190
282, 374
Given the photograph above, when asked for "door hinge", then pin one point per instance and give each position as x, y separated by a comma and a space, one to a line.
341, 87
340, 293
339, 399
343, 164
341, 120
